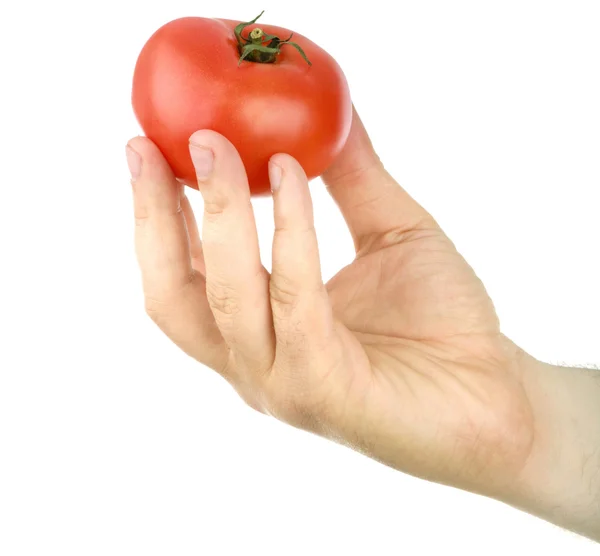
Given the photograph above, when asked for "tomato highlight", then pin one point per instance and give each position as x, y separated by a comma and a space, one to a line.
263, 92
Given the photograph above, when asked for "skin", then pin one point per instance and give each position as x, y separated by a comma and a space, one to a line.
399, 356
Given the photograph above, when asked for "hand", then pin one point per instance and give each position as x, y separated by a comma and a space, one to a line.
399, 356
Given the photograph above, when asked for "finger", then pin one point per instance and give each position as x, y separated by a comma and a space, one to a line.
237, 284
174, 294
302, 315
196, 252
371, 201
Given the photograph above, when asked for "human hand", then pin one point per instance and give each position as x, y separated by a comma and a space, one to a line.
399, 356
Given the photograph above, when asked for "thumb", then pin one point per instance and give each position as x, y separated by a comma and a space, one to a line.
371, 201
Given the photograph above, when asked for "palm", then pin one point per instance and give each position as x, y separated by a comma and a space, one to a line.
416, 288
400, 356
425, 357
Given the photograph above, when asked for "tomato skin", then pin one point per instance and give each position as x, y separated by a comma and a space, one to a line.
187, 78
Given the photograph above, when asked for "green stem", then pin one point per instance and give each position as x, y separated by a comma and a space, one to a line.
260, 47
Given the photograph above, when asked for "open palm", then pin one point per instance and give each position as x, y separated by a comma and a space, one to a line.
432, 375
399, 356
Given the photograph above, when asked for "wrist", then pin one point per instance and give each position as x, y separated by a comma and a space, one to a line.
560, 480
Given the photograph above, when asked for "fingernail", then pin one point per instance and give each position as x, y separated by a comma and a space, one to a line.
203, 159
274, 176
134, 161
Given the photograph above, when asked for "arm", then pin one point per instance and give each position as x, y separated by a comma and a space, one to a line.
399, 356
561, 479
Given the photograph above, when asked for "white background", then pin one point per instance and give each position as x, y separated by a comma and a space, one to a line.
111, 440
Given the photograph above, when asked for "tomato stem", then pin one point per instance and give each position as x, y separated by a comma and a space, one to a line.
262, 48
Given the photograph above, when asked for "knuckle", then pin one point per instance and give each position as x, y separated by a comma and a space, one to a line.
144, 217
216, 204
141, 219
424, 230
165, 305
357, 175
155, 310
283, 291
222, 300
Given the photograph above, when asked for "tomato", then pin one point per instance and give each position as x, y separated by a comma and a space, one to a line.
188, 76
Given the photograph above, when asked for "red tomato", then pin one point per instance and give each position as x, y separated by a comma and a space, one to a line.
188, 77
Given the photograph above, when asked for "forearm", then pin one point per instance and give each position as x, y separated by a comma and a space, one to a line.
561, 480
